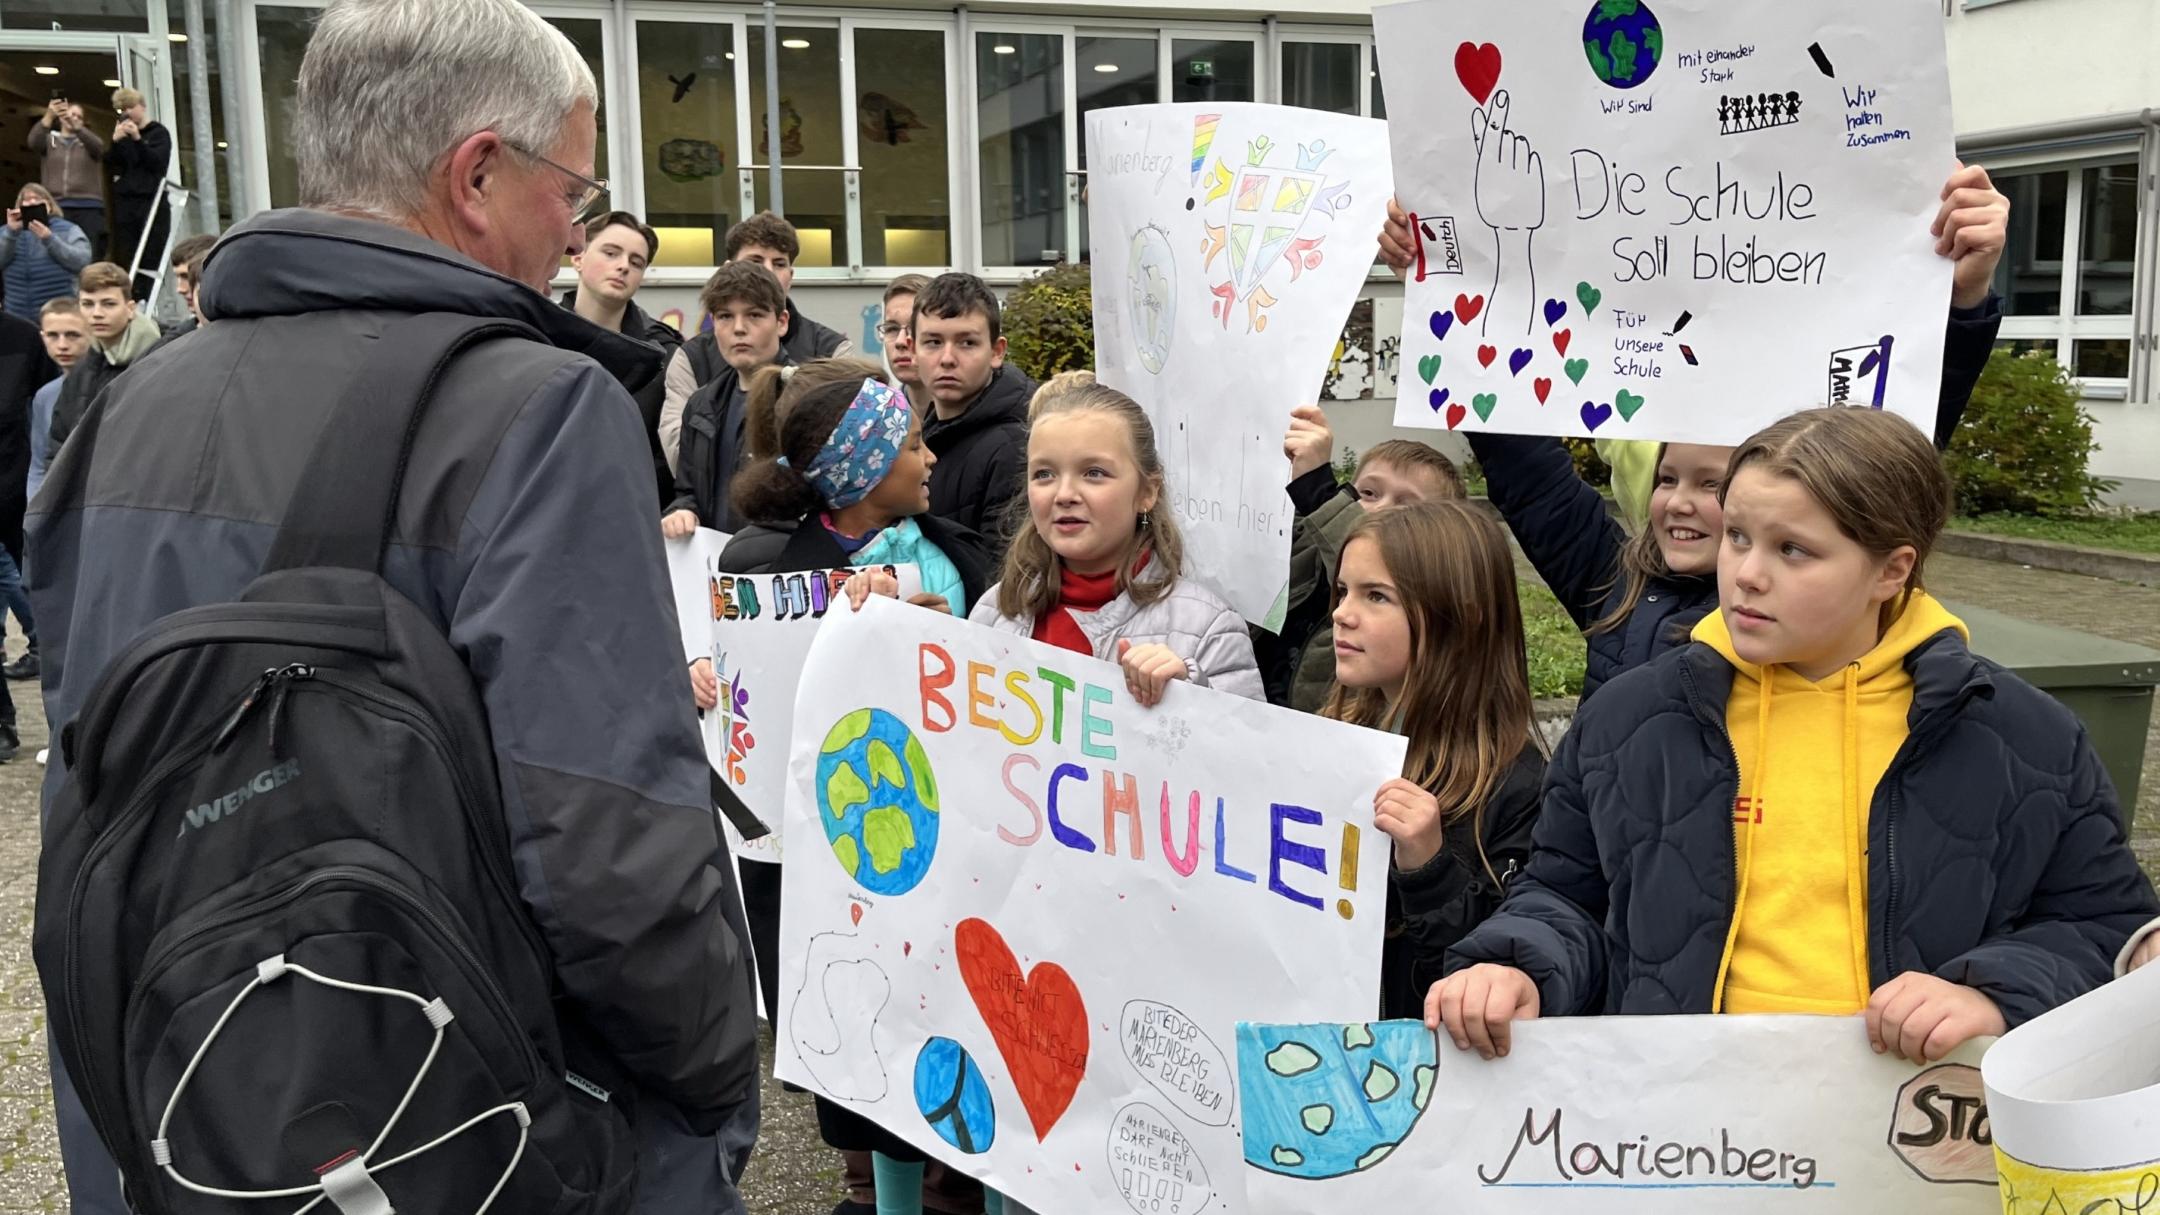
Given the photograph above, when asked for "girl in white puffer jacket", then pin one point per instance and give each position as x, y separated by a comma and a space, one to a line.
1101, 570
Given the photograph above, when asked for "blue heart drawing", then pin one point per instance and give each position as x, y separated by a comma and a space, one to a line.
1441, 323
1595, 415
1554, 310
1438, 399
1517, 361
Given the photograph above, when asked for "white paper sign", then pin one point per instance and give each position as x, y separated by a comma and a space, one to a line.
1230, 241
2074, 1096
1023, 915
762, 626
1668, 219
689, 560
1656, 1115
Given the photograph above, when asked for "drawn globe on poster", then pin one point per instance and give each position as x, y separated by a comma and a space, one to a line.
1330, 1100
1623, 41
1151, 292
878, 801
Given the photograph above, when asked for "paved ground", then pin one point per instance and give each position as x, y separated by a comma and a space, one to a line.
794, 1174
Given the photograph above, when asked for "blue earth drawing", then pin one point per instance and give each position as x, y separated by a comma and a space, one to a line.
952, 1097
1623, 41
1328, 1100
878, 801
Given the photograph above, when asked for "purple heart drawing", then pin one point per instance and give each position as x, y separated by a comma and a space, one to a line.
1517, 361
1441, 323
1438, 398
1595, 415
1554, 310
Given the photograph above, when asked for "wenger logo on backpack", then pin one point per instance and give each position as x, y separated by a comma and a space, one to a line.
341, 997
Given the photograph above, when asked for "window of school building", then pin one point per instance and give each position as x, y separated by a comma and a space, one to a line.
2069, 270
907, 140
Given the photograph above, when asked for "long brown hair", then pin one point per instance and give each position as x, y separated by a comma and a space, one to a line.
1028, 585
1465, 705
1641, 563
1879, 478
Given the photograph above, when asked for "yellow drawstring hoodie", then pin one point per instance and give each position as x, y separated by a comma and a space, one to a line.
1798, 939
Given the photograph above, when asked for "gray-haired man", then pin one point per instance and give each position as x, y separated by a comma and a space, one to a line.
446, 155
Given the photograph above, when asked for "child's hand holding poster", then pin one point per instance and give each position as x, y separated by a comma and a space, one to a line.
1667, 219
1023, 916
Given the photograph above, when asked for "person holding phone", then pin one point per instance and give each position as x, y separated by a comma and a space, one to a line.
141, 152
70, 166
41, 252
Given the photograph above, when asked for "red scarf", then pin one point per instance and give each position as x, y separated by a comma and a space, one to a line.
1077, 592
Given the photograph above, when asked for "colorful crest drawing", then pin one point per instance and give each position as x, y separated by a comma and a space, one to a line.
1268, 219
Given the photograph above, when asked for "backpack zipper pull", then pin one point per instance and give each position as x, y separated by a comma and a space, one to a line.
282, 683
240, 711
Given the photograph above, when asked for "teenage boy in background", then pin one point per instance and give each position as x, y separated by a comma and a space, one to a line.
978, 419
748, 312
618, 249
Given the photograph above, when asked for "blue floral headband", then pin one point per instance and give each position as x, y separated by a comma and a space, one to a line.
862, 448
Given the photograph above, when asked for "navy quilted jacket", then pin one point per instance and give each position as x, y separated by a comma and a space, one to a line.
1996, 855
1565, 529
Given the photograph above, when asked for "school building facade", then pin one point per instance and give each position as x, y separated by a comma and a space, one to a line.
916, 137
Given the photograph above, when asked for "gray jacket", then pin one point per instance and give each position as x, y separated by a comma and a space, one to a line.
68, 163
526, 528
1192, 620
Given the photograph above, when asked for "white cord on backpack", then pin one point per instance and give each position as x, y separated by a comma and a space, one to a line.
354, 1173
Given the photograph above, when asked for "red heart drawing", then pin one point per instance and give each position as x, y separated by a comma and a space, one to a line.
1455, 415
1037, 1020
1560, 339
1485, 356
1467, 307
854, 911
1542, 387
1478, 67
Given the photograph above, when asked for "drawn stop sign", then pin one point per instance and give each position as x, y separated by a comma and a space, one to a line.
1940, 1126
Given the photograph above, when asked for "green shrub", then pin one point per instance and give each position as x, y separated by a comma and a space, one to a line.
2025, 442
1050, 322
1346, 465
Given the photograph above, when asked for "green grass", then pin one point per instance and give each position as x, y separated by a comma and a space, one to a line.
2129, 533
1556, 645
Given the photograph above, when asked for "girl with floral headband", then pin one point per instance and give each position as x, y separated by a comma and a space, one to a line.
840, 477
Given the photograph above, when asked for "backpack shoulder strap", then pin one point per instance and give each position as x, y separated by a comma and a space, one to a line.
345, 508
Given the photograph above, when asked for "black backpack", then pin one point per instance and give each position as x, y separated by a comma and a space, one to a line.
279, 932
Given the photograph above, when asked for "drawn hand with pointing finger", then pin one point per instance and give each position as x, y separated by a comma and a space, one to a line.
1509, 186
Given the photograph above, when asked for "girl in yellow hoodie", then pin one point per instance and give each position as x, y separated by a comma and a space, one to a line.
1824, 804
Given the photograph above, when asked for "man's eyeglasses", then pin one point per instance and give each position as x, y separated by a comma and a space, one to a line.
582, 204
890, 330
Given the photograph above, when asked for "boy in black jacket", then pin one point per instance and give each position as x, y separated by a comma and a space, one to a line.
978, 421
748, 313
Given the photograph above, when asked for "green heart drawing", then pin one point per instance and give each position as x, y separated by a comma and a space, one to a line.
1428, 367
1589, 296
1627, 403
1483, 403
1576, 369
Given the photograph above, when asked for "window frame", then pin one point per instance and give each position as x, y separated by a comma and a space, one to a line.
1368, 58
630, 196
2068, 326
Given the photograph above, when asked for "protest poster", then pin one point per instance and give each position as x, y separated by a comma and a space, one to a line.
1667, 219
762, 626
689, 561
1231, 240
2074, 1098
1671, 1115
1022, 914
